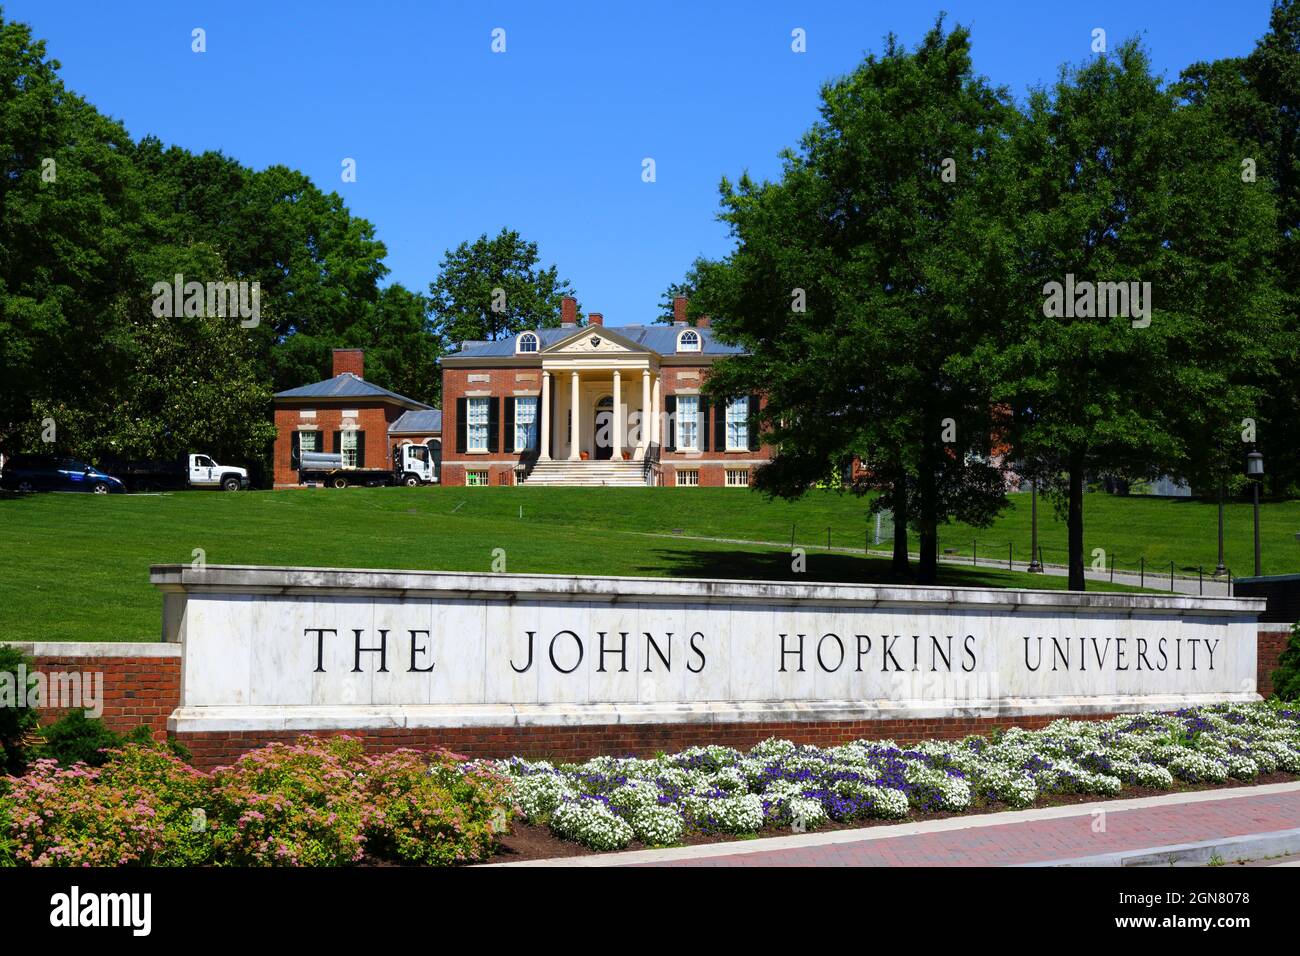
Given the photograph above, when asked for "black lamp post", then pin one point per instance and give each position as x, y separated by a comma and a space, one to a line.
1035, 566
1220, 569
1255, 472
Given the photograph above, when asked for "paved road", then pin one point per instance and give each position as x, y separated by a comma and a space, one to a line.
1047, 836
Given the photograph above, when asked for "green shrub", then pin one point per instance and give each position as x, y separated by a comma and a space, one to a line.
1286, 679
135, 810
298, 805
75, 738
16, 723
8, 847
434, 809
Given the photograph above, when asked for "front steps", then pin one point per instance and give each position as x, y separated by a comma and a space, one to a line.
621, 474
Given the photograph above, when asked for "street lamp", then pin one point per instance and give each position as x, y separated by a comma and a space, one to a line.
1220, 569
1255, 472
1035, 566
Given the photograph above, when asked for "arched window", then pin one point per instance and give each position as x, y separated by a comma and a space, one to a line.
688, 341
527, 342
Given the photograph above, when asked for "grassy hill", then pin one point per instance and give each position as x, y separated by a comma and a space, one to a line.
75, 567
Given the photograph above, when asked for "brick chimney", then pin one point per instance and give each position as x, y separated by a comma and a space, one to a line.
568, 311
350, 360
595, 318
679, 309
702, 322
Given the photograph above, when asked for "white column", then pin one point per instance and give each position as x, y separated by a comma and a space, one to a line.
545, 438
617, 425
644, 433
573, 419
656, 421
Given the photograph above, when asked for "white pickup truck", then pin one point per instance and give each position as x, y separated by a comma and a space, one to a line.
189, 471
204, 472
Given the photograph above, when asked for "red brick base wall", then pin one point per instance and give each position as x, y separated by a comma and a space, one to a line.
137, 690
145, 690
1271, 645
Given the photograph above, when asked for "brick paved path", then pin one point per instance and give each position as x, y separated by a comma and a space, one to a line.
1036, 840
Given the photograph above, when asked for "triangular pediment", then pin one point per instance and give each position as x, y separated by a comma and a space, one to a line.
595, 340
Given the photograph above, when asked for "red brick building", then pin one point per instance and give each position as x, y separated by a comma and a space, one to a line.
346, 414
596, 405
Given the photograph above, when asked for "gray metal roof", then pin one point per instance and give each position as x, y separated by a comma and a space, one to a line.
421, 422
660, 339
347, 385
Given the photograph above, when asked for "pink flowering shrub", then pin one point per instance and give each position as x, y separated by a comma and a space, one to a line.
292, 805
435, 809
7, 845
137, 810
318, 802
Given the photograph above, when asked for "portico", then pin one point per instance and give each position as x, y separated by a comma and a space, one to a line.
599, 398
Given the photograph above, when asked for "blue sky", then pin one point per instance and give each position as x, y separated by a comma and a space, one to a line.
452, 140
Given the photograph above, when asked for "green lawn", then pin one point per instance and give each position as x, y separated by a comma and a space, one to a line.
75, 567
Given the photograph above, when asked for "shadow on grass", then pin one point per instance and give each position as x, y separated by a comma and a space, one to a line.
846, 568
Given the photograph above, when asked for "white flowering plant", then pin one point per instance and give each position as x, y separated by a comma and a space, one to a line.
608, 802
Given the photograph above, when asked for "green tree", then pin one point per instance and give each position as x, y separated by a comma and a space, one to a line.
69, 219
859, 288
1110, 179
1257, 98
90, 220
195, 382
492, 288
402, 349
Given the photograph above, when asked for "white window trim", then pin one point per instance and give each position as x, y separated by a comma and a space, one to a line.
726, 477
471, 445
536, 425
699, 341
519, 343
695, 438
476, 472
346, 435
728, 421
677, 478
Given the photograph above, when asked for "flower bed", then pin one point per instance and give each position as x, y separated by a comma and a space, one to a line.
607, 802
317, 802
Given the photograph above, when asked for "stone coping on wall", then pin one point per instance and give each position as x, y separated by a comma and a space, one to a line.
253, 579
105, 649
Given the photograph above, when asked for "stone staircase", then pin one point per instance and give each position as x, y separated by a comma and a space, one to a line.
623, 474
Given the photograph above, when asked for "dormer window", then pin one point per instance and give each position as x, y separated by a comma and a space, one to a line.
527, 342
688, 341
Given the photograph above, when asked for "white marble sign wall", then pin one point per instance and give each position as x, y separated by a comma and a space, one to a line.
301, 648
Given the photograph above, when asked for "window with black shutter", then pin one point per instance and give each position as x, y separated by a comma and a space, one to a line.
670, 408
754, 442
295, 461
461, 425
361, 449
720, 426
510, 426
494, 425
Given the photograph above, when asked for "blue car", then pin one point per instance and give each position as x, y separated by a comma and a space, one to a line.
47, 473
